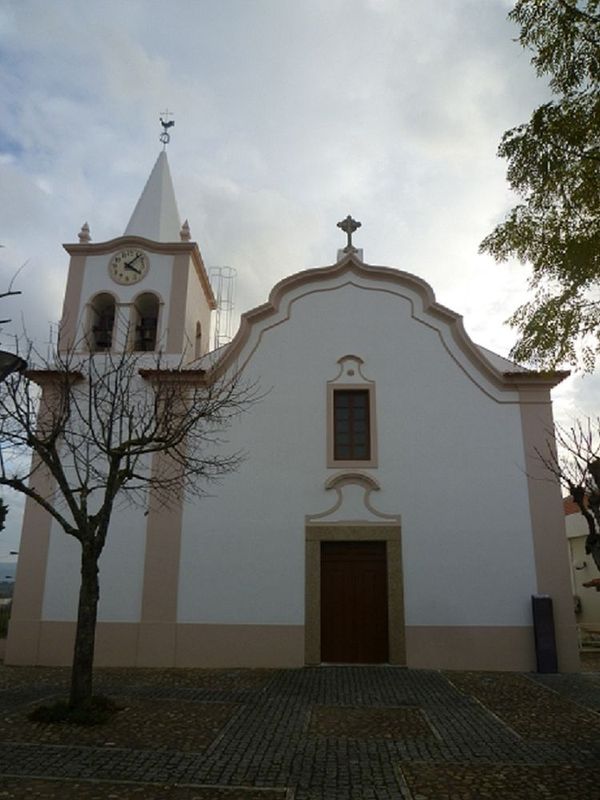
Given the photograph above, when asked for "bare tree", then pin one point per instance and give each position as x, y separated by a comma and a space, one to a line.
577, 466
10, 292
109, 429
9, 362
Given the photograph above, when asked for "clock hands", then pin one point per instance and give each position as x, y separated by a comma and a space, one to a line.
128, 261
128, 264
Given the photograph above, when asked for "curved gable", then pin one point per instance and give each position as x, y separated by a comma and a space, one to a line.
492, 373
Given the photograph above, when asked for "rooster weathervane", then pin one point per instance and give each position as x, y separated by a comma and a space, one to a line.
165, 136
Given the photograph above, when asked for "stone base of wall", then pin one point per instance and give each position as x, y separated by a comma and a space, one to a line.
160, 645
473, 647
196, 645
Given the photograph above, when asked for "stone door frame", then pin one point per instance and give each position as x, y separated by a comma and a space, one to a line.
353, 532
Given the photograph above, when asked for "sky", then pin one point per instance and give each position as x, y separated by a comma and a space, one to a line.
288, 116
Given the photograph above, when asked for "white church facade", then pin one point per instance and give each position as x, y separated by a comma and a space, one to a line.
391, 508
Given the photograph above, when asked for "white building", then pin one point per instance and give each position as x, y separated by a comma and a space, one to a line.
390, 509
583, 571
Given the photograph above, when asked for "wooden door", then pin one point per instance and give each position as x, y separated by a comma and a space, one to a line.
354, 607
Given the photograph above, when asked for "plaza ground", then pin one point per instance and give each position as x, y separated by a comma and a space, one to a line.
328, 733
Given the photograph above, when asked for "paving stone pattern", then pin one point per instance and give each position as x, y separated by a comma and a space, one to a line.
140, 725
334, 733
581, 688
510, 781
517, 701
36, 789
365, 723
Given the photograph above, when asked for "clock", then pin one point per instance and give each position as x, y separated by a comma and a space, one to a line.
128, 266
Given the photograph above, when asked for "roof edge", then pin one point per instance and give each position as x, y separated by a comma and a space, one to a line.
100, 248
454, 321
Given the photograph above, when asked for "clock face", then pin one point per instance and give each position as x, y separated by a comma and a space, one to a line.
128, 266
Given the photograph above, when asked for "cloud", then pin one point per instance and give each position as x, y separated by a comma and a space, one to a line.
288, 117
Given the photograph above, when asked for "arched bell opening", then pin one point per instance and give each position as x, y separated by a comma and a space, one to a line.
102, 322
145, 322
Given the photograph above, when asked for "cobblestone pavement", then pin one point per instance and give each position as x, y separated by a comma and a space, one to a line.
330, 733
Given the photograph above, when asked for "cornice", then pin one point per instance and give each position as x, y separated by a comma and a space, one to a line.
433, 313
42, 376
166, 248
174, 375
535, 378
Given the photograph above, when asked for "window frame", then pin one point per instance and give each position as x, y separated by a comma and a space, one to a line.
342, 463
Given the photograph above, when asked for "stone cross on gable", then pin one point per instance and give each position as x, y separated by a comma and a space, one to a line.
349, 226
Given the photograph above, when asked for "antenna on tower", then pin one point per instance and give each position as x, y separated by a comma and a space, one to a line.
51, 344
223, 283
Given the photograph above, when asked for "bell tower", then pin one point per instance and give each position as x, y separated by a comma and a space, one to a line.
147, 290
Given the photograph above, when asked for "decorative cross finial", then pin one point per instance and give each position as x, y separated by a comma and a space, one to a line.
349, 225
165, 137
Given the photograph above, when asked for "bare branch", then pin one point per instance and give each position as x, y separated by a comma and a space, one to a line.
108, 430
577, 466
97, 420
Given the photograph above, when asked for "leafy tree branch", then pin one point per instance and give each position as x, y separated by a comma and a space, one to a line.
554, 168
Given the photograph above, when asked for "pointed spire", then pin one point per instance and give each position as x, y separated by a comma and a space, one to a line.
155, 215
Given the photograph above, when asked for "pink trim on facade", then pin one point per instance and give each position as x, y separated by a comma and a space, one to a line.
188, 645
169, 248
30, 580
548, 526
179, 287
68, 325
439, 316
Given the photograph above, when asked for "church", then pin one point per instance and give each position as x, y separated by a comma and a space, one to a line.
392, 507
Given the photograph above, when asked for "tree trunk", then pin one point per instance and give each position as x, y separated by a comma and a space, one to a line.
85, 635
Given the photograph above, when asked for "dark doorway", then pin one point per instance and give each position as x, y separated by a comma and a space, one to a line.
354, 607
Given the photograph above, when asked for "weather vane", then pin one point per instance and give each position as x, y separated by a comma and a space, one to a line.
165, 137
349, 225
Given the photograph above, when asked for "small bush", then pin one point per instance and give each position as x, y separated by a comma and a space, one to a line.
97, 711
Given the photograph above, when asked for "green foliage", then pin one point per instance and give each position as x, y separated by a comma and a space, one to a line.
97, 711
554, 166
564, 36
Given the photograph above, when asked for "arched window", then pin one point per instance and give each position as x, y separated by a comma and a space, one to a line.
100, 336
145, 322
351, 424
198, 341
